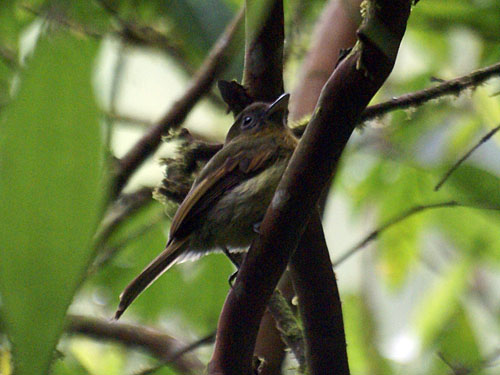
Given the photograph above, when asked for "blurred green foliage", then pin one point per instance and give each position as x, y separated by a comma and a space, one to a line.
51, 188
53, 175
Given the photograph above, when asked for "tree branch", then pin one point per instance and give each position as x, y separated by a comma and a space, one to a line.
372, 236
211, 68
126, 205
335, 30
143, 35
490, 134
278, 329
162, 346
289, 327
263, 70
319, 303
341, 103
451, 87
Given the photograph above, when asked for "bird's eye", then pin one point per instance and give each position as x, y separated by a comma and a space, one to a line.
247, 121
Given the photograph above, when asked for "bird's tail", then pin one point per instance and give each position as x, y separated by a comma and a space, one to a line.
155, 269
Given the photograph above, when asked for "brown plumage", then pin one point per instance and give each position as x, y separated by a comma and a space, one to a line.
230, 195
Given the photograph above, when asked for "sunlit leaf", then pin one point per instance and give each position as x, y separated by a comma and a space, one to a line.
457, 342
440, 303
360, 329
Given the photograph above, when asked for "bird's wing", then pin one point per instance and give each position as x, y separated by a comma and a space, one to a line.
208, 189
211, 186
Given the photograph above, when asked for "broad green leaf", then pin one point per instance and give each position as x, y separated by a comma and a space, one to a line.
97, 358
399, 249
68, 365
361, 337
51, 187
479, 236
475, 186
457, 343
441, 302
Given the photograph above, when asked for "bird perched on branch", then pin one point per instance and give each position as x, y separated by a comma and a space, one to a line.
231, 194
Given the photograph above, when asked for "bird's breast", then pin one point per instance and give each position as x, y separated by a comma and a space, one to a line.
231, 222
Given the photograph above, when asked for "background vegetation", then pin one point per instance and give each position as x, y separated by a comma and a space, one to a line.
77, 89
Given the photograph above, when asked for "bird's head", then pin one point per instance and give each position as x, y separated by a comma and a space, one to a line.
260, 118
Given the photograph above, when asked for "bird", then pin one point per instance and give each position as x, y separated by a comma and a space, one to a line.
230, 196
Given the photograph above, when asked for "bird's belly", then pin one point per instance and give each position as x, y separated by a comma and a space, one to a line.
231, 223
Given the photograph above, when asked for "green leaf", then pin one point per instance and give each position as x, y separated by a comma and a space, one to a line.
441, 301
51, 187
361, 335
399, 249
457, 343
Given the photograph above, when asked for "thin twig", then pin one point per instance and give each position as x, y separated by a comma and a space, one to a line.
466, 156
399, 218
451, 87
135, 33
209, 339
213, 65
144, 123
125, 206
108, 253
63, 21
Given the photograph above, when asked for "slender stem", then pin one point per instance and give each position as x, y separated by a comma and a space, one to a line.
319, 303
373, 235
211, 68
490, 134
451, 87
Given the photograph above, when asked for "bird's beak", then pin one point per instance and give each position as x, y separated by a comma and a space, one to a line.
280, 104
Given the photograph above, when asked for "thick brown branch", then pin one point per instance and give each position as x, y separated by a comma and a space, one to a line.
211, 68
279, 326
162, 346
319, 303
341, 103
263, 71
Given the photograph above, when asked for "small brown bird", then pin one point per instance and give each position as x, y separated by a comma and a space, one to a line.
231, 194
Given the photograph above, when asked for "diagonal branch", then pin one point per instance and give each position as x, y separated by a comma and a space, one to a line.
405, 101
372, 236
490, 134
344, 97
319, 302
451, 87
211, 68
162, 346
263, 70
